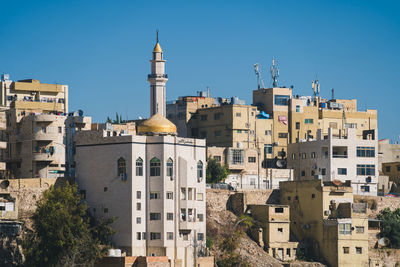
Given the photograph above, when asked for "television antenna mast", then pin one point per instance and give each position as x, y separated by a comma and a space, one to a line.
274, 73
260, 81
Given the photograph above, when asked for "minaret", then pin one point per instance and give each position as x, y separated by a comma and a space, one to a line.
157, 80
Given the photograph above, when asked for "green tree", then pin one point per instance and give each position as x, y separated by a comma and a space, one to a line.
229, 243
116, 118
108, 120
390, 226
63, 233
215, 173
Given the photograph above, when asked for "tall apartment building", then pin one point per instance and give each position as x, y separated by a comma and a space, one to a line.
335, 228
388, 152
297, 118
343, 158
3, 144
151, 180
39, 129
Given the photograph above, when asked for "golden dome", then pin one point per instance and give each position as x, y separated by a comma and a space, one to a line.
157, 48
157, 124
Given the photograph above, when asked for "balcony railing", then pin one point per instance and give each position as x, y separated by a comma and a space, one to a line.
339, 156
150, 76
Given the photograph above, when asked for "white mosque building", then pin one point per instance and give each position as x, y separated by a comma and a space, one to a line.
152, 181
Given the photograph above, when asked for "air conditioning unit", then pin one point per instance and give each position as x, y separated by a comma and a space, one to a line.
315, 166
275, 144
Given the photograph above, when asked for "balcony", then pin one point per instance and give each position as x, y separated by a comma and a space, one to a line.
43, 156
186, 225
155, 76
40, 136
37, 105
339, 152
44, 118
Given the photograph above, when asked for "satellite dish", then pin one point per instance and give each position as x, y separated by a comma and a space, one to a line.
281, 163
383, 242
4, 184
337, 182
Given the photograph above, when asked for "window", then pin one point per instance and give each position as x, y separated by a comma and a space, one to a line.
203, 117
185, 236
282, 135
282, 100
398, 167
139, 167
170, 216
236, 156
105, 189
199, 197
267, 149
303, 155
217, 116
342, 171
200, 236
387, 168
238, 114
138, 206
297, 109
359, 250
252, 181
367, 152
170, 168
312, 195
217, 158
190, 194
195, 132
155, 216
138, 220
105, 210
144, 235
297, 125
59, 129
200, 217
199, 171
350, 125
333, 125
278, 210
313, 155
293, 155
323, 171
203, 134
121, 166
365, 169
138, 235
252, 159
345, 228
155, 236
346, 250
308, 121
170, 235
155, 169
268, 132
217, 133
303, 173
359, 229
170, 195
154, 195
183, 193
138, 194
365, 188
280, 230
239, 131
183, 215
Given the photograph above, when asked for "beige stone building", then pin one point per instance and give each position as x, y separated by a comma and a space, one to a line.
272, 230
345, 157
392, 169
39, 129
324, 216
246, 167
388, 152
152, 181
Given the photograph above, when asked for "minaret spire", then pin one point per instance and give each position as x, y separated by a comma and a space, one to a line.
157, 79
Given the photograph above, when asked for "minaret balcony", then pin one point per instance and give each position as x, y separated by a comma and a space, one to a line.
155, 76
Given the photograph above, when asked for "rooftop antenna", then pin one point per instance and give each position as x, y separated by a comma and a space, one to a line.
208, 91
333, 93
274, 73
315, 87
257, 70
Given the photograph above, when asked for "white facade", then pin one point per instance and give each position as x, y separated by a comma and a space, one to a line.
160, 211
344, 158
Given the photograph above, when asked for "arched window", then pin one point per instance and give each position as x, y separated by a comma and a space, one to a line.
199, 171
121, 166
139, 167
155, 166
170, 167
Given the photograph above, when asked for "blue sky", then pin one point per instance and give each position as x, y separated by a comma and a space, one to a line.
101, 49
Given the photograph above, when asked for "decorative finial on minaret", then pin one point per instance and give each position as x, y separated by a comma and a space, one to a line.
157, 35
